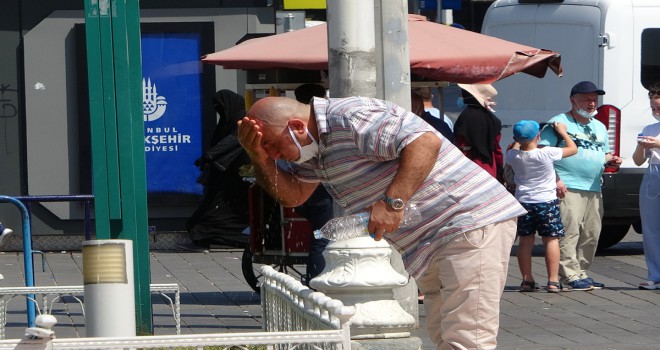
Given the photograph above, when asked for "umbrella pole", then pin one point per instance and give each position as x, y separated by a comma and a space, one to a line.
249, 98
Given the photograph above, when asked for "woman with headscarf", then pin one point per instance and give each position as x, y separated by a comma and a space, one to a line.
477, 129
222, 215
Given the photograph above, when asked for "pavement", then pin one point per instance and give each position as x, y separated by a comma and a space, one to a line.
216, 298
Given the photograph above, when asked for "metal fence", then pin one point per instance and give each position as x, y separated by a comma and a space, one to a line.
49, 294
295, 317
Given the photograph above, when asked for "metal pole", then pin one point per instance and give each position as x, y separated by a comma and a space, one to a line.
27, 255
438, 13
117, 127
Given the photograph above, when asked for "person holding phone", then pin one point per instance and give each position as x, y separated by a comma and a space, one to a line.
648, 148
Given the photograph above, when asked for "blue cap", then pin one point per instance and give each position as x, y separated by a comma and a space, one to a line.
586, 87
525, 130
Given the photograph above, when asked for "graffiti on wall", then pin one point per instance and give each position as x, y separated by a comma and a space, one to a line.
8, 101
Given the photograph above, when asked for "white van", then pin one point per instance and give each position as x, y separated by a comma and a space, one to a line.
613, 43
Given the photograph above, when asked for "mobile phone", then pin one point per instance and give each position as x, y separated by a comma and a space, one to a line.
641, 139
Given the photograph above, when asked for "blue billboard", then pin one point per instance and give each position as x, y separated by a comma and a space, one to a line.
174, 109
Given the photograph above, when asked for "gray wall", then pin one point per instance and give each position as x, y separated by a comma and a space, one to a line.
39, 127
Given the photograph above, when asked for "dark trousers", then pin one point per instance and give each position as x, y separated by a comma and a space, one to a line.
317, 210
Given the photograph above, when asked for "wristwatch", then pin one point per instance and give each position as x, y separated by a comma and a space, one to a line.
395, 203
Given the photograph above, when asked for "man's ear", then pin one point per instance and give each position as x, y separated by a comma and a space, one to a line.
296, 125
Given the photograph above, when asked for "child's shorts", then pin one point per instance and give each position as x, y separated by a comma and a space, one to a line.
543, 218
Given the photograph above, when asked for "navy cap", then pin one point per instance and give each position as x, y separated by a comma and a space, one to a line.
586, 87
525, 130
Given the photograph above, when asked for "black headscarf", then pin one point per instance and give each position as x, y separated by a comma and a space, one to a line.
479, 127
231, 108
224, 147
222, 214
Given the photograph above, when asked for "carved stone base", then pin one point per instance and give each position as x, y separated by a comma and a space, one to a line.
358, 272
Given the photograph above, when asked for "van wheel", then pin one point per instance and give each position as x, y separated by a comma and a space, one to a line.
611, 235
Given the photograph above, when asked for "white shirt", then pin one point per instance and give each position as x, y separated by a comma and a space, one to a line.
534, 173
652, 154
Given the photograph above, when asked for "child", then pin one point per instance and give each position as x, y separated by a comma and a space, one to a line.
536, 190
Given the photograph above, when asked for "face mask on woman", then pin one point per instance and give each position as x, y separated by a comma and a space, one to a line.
460, 103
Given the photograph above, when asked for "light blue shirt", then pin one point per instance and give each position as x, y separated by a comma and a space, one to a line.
584, 170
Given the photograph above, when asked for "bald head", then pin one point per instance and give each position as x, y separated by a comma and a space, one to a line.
277, 111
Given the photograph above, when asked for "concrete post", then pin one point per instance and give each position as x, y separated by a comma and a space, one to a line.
393, 55
351, 48
360, 54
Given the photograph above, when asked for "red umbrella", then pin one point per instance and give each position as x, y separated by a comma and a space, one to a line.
437, 52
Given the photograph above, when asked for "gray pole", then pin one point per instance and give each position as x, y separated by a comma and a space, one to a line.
351, 48
438, 13
393, 56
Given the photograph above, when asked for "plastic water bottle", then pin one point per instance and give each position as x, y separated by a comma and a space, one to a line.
351, 226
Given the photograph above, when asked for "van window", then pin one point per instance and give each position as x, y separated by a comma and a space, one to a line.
650, 56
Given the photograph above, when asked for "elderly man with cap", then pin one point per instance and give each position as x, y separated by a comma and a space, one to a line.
579, 184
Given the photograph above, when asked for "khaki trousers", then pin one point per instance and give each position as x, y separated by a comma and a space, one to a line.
463, 285
581, 214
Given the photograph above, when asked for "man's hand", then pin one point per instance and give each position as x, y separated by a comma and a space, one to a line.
384, 219
249, 136
650, 142
561, 189
612, 160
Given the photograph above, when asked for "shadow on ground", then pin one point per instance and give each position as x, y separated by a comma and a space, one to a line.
221, 298
621, 248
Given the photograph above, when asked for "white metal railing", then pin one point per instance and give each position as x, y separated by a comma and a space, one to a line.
289, 306
56, 292
296, 317
274, 340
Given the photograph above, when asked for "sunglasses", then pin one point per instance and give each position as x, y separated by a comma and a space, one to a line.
653, 93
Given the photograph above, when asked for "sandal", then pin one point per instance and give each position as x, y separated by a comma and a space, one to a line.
529, 286
556, 287
649, 285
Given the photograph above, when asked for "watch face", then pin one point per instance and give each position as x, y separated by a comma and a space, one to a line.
397, 204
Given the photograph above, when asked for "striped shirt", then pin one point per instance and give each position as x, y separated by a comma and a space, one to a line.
359, 147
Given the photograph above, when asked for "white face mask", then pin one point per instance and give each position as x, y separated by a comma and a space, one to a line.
586, 114
656, 116
307, 152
